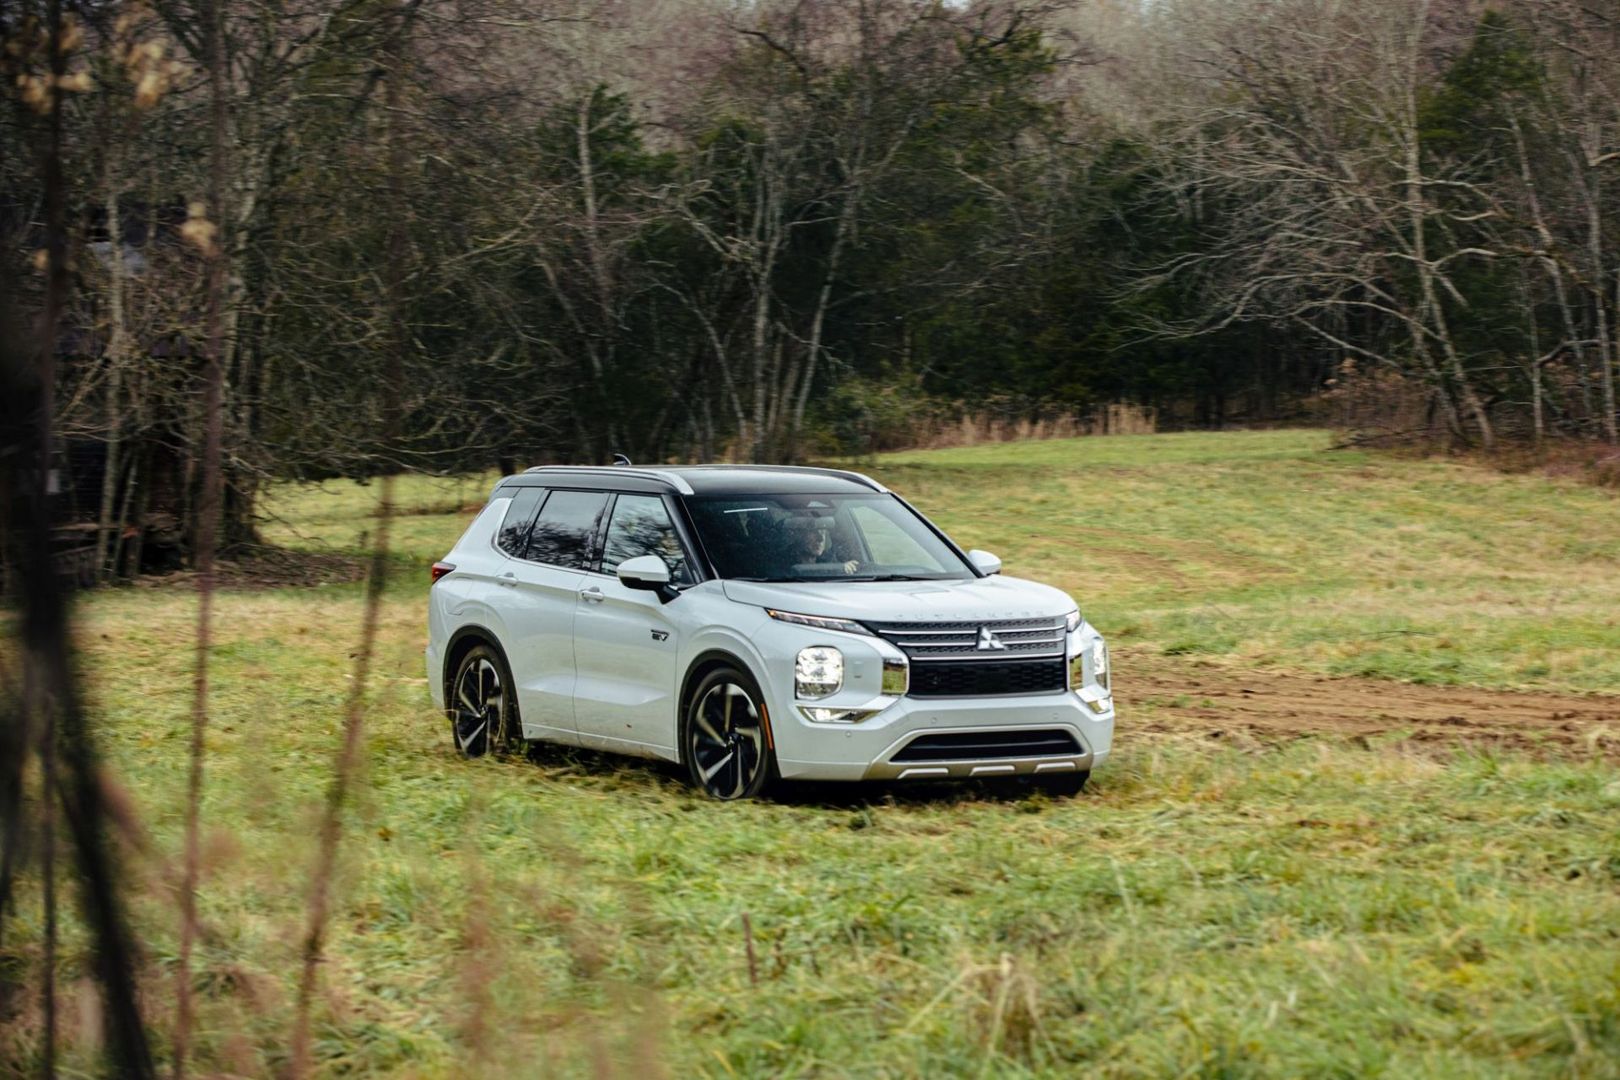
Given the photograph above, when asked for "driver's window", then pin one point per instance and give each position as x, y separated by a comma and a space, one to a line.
640, 526
887, 541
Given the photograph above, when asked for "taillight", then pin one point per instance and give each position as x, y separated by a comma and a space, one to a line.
440, 569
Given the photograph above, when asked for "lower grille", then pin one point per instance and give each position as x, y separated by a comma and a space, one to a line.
974, 745
986, 678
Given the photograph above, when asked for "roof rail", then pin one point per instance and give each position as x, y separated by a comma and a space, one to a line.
859, 478
671, 479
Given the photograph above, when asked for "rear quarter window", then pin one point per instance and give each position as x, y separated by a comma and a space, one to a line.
514, 531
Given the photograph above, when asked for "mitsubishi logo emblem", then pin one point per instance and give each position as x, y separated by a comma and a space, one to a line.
988, 640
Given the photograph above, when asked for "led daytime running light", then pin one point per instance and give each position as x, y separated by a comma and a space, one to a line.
819, 622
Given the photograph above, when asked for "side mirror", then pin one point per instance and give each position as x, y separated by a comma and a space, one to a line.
647, 572
984, 562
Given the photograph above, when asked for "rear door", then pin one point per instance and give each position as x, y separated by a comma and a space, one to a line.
544, 583
625, 643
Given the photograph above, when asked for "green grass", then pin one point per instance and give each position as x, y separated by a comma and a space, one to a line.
1318, 909
1266, 549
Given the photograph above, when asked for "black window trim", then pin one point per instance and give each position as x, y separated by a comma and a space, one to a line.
673, 508
697, 557
593, 552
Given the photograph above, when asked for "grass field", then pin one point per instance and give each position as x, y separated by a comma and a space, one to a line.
1321, 907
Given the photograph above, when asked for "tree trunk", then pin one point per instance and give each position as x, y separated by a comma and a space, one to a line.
106, 525
1430, 310
818, 321
208, 514
1594, 240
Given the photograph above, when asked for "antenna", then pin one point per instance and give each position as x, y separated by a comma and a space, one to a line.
620, 459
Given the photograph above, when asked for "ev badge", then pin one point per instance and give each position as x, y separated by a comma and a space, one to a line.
988, 640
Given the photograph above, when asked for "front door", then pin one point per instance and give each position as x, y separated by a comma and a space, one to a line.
625, 643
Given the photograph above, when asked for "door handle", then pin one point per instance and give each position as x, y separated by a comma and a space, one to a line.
594, 595
508, 579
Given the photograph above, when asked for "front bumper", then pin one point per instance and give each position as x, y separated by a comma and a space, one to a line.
867, 751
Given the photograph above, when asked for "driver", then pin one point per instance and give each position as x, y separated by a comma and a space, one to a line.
811, 542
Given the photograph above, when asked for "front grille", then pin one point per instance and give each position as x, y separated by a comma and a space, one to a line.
987, 678
961, 640
974, 745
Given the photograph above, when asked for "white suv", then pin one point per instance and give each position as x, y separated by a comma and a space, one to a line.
754, 623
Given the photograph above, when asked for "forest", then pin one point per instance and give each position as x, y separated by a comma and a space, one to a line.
283, 285
443, 234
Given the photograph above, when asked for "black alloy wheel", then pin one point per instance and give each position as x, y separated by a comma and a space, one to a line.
723, 737
483, 709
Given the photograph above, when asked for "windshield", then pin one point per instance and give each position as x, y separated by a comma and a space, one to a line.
775, 537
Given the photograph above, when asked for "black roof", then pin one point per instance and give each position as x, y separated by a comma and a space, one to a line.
699, 479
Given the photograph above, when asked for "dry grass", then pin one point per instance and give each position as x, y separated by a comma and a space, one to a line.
976, 429
1585, 461
1321, 908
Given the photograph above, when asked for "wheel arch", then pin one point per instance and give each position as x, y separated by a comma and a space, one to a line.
701, 665
463, 641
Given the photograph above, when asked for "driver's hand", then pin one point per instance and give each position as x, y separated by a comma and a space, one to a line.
851, 566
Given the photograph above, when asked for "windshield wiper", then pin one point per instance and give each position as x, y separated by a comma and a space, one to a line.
901, 577
842, 579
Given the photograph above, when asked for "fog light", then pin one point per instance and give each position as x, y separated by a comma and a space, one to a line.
1099, 665
835, 716
818, 671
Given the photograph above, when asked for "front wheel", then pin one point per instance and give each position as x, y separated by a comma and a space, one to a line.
724, 737
483, 707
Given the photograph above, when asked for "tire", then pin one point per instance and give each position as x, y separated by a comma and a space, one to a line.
724, 741
482, 705
1063, 785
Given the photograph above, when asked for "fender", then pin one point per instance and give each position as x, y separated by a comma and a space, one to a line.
470, 630
728, 652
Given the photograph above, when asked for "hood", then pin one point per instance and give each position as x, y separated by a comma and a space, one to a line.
973, 600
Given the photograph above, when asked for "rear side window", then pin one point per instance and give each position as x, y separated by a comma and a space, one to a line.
640, 526
515, 528
566, 529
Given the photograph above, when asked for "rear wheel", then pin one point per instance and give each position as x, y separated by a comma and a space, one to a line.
724, 739
483, 707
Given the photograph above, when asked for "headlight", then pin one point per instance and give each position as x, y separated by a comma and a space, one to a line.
818, 671
1072, 622
820, 622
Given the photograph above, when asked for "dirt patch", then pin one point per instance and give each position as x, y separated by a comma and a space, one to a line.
1172, 695
269, 568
